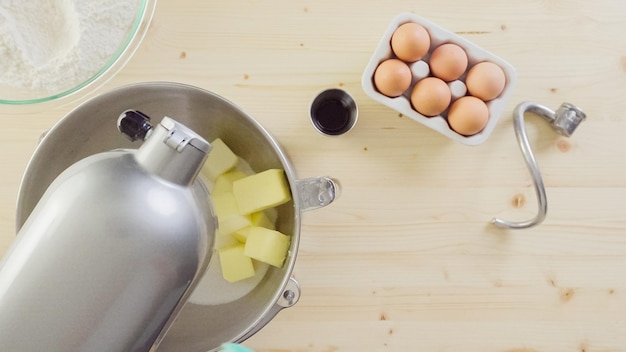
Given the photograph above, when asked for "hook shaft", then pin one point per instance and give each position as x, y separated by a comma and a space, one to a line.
564, 121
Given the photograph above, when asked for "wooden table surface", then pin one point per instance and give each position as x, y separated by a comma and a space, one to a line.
405, 259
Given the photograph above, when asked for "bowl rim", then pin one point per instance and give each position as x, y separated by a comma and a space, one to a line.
118, 60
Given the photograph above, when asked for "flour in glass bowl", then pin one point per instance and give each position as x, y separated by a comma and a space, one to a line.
53, 45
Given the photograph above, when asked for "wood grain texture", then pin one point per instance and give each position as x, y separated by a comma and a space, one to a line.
405, 259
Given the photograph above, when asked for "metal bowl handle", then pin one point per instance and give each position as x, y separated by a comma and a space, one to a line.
317, 192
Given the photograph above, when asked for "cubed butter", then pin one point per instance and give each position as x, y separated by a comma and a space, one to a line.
219, 160
258, 219
224, 182
241, 235
225, 240
235, 264
267, 246
261, 219
272, 215
229, 219
261, 191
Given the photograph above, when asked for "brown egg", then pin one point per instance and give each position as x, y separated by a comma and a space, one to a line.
448, 62
410, 42
485, 80
392, 77
468, 115
431, 96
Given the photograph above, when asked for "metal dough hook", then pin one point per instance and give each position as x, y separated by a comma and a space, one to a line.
564, 121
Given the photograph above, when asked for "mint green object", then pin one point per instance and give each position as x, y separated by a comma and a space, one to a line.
233, 347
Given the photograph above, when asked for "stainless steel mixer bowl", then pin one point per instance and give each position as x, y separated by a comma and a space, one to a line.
90, 129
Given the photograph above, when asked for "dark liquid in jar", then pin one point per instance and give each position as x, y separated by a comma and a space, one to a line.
332, 116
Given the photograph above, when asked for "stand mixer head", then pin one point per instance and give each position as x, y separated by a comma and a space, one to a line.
113, 248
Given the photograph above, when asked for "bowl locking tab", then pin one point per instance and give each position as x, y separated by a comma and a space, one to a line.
564, 121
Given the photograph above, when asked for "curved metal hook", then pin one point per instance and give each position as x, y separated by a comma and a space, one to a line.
564, 121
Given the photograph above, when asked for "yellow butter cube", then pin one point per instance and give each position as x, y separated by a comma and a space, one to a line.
231, 224
235, 264
272, 215
224, 182
225, 240
219, 160
229, 219
267, 246
261, 191
258, 219
241, 235
261, 219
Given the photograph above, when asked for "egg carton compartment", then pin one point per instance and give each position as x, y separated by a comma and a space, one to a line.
421, 69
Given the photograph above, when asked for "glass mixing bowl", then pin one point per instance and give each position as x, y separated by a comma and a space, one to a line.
31, 76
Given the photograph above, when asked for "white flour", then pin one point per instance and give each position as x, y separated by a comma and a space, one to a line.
52, 45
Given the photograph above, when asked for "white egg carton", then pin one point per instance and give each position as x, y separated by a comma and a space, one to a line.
420, 69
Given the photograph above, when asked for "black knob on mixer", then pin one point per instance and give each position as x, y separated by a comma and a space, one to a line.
134, 124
